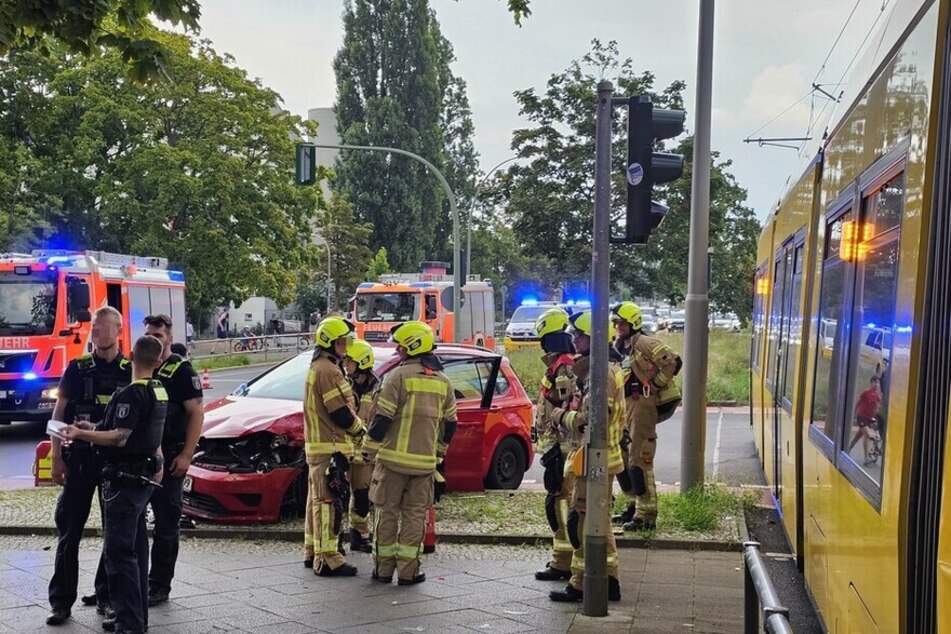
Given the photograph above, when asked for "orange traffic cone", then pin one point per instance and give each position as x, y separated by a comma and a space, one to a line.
205, 380
429, 537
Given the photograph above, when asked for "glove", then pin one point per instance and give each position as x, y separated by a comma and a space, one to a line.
626, 440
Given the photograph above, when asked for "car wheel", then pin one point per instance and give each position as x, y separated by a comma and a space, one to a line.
294, 503
507, 466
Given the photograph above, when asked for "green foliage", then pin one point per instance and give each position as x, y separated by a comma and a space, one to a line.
699, 509
197, 169
379, 265
395, 88
529, 368
349, 253
219, 362
85, 27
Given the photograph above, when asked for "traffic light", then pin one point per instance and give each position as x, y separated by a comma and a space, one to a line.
647, 168
305, 164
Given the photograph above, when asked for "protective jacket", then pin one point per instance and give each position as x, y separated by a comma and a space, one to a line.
330, 417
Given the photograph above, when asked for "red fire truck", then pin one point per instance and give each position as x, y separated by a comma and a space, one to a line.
46, 301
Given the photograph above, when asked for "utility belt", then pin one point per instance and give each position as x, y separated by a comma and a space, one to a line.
135, 471
171, 449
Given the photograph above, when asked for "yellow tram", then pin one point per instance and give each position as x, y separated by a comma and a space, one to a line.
851, 351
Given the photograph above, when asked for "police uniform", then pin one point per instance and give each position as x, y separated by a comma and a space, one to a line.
576, 419
557, 386
140, 407
648, 369
326, 392
181, 383
362, 468
88, 383
414, 422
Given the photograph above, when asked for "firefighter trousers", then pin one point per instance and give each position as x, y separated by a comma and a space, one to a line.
360, 473
322, 518
579, 505
642, 451
401, 502
561, 548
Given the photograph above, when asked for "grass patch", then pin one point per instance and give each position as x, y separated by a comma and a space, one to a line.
728, 366
216, 363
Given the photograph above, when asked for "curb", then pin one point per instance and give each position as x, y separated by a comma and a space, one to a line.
446, 538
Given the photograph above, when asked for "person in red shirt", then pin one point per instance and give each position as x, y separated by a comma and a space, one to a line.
866, 415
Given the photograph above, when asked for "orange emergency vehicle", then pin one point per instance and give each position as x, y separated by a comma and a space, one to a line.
426, 296
46, 301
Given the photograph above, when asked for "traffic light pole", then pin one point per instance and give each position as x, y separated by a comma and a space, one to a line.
457, 280
697, 304
597, 523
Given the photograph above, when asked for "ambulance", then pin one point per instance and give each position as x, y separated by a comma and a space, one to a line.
47, 298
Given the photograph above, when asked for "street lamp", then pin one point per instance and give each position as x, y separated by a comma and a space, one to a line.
475, 200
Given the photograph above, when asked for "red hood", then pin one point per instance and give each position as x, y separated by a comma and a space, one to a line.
234, 416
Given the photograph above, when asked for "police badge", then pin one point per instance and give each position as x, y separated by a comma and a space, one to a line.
196, 382
122, 410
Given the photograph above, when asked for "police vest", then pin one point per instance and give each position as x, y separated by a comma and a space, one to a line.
146, 436
177, 418
99, 382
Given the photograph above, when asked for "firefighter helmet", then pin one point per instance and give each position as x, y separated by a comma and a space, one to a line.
331, 329
629, 312
361, 353
581, 324
415, 337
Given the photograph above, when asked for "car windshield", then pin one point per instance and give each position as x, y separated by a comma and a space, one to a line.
27, 304
678, 314
528, 314
387, 306
285, 382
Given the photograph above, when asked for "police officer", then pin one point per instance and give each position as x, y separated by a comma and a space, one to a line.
414, 422
131, 434
557, 390
359, 367
182, 431
576, 419
84, 391
648, 369
330, 424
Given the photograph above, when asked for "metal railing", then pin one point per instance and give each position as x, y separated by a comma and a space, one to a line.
258, 347
761, 604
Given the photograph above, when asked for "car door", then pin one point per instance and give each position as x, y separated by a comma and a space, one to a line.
473, 380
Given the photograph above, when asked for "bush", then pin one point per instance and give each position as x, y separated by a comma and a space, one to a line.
222, 362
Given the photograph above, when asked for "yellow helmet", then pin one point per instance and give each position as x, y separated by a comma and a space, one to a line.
581, 323
330, 329
361, 353
552, 320
415, 337
629, 312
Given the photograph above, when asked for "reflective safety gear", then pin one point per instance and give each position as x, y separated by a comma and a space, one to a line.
574, 531
667, 401
402, 501
581, 323
330, 329
551, 321
327, 391
324, 517
361, 353
551, 510
629, 312
553, 461
92, 386
415, 337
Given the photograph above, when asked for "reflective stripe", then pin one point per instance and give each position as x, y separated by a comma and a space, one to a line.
103, 399
406, 551
418, 461
406, 426
562, 546
428, 386
160, 393
612, 559
328, 541
320, 448
340, 390
385, 550
385, 406
308, 540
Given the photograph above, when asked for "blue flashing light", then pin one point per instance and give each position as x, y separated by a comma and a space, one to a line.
529, 301
57, 258
176, 276
29, 376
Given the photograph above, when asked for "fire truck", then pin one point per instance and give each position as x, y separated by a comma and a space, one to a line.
426, 296
46, 304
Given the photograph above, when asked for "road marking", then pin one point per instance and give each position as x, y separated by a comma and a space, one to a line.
716, 447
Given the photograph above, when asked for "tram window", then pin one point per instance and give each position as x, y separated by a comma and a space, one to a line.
794, 328
758, 317
775, 322
831, 345
884, 207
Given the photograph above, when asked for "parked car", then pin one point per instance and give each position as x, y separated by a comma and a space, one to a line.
250, 465
725, 321
675, 323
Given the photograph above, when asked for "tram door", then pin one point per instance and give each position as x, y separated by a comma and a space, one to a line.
784, 367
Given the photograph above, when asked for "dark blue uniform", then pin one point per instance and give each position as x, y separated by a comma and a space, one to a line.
88, 383
182, 384
140, 407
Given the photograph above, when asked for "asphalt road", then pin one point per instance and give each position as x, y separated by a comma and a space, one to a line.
18, 440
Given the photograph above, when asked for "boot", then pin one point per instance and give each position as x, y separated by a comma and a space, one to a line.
624, 517
421, 577
359, 543
343, 553
344, 570
640, 524
309, 561
552, 574
568, 595
377, 577
614, 589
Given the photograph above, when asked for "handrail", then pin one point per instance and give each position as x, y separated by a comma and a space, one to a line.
760, 598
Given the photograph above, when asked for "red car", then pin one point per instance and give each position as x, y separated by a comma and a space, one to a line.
250, 466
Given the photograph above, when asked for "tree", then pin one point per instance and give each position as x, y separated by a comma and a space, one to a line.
198, 170
87, 26
379, 265
349, 254
392, 75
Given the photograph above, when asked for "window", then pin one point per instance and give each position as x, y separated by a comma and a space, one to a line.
759, 319
28, 304
285, 382
775, 323
793, 324
470, 379
387, 307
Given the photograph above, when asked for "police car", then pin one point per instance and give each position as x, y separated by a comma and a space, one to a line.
520, 332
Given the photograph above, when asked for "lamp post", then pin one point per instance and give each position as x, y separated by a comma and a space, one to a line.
475, 200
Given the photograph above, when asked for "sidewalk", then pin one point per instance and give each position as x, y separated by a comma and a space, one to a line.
262, 587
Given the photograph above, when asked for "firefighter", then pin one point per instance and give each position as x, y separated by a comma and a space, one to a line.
182, 430
557, 390
575, 418
131, 437
414, 422
331, 425
86, 388
648, 369
366, 385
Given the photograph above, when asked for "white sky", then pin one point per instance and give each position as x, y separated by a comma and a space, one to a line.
766, 55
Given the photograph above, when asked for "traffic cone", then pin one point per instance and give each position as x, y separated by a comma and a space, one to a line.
429, 537
205, 380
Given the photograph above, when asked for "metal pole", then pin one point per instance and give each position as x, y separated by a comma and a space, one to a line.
327, 244
475, 200
456, 255
696, 335
596, 521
